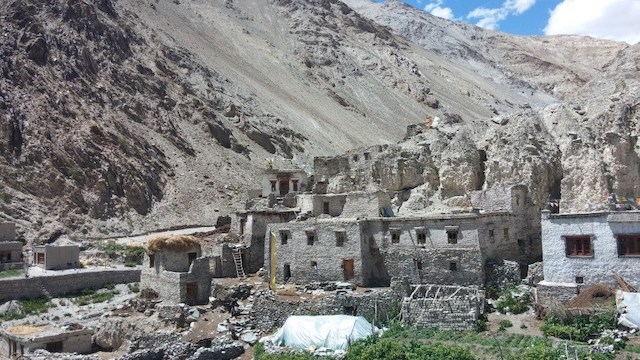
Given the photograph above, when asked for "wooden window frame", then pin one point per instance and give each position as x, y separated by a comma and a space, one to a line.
341, 238
580, 246
628, 245
421, 236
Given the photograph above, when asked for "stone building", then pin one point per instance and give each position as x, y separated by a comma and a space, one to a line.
10, 249
371, 251
282, 182
175, 268
583, 249
20, 340
56, 257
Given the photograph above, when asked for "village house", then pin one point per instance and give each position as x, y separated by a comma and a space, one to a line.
56, 257
22, 339
10, 249
282, 182
175, 268
355, 237
584, 249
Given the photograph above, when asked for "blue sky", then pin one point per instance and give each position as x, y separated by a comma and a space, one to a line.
609, 19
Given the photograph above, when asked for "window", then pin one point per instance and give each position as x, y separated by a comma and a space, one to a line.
311, 237
325, 207
579, 280
294, 184
5, 256
314, 264
284, 237
452, 236
395, 235
355, 157
453, 266
243, 223
418, 264
367, 156
421, 235
273, 185
492, 235
192, 257
152, 260
629, 245
578, 245
505, 232
340, 238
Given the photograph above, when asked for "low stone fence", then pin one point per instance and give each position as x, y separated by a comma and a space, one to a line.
271, 312
548, 294
55, 285
443, 307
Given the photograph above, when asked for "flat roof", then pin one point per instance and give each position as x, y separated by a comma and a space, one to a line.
37, 333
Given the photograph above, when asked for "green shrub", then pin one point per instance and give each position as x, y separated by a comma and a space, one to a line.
134, 288
393, 349
539, 352
110, 286
504, 324
481, 324
509, 303
578, 327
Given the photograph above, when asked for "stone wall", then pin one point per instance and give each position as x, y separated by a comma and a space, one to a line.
377, 306
443, 307
324, 259
433, 260
13, 289
172, 286
551, 293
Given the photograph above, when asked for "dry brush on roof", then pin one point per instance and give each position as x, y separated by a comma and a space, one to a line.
175, 242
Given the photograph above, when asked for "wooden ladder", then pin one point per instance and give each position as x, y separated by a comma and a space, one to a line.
237, 259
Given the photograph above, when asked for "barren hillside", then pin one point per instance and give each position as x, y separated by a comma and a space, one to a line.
122, 116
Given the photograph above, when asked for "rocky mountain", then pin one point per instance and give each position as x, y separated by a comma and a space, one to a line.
123, 116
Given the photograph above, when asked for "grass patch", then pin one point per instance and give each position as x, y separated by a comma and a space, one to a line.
94, 297
131, 255
10, 271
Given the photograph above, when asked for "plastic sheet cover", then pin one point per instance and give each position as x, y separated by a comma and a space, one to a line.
334, 332
629, 309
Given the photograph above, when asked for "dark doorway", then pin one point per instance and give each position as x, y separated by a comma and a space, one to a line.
192, 291
54, 347
325, 207
284, 187
192, 257
287, 272
347, 265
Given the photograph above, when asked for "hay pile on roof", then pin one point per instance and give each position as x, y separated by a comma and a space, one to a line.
598, 295
27, 329
175, 243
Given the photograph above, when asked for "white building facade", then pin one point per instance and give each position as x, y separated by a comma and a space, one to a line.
585, 249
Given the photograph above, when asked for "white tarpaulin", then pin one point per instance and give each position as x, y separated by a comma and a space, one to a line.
331, 331
629, 309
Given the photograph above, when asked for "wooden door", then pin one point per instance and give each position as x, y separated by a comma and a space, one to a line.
192, 291
347, 266
284, 187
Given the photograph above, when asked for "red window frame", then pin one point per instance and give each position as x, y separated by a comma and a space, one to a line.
629, 245
577, 246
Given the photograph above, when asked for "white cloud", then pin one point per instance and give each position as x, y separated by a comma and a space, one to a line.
490, 18
435, 8
607, 19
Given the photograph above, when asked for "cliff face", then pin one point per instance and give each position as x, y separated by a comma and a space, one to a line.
126, 116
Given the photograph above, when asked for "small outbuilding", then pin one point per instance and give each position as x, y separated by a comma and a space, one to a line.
10, 249
175, 268
56, 257
22, 339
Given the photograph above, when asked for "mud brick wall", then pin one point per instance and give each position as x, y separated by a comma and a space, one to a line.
55, 285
